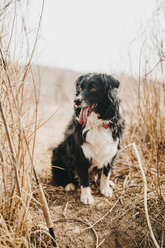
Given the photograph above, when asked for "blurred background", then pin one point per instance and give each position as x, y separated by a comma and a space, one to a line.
93, 35
63, 39
90, 35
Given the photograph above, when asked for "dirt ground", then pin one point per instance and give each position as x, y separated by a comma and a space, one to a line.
109, 222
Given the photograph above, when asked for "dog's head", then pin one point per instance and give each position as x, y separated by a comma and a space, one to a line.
96, 93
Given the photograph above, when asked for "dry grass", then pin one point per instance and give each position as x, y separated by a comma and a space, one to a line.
19, 97
17, 123
117, 222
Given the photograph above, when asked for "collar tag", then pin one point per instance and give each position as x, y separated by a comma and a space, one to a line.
106, 125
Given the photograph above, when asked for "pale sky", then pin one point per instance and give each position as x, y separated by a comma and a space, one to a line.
89, 35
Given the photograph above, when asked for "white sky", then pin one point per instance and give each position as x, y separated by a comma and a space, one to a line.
89, 35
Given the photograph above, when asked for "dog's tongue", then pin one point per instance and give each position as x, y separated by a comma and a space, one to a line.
83, 116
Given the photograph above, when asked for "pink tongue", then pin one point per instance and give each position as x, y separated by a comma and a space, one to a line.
83, 116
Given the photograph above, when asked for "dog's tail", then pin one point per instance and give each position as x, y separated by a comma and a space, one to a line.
60, 175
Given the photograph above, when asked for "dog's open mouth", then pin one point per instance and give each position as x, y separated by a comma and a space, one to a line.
85, 112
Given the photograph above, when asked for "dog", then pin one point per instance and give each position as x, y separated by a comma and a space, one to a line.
92, 138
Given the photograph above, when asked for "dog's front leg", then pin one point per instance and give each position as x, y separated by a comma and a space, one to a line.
86, 196
104, 181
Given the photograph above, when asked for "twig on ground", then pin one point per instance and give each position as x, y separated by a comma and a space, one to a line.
100, 243
65, 209
81, 221
110, 210
94, 232
162, 239
119, 215
145, 193
145, 197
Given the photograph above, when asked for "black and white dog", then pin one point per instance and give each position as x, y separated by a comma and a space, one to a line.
92, 138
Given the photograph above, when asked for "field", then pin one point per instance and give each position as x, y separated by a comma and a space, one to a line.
115, 222
119, 221
36, 104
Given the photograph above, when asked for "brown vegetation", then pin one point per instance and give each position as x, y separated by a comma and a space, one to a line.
134, 216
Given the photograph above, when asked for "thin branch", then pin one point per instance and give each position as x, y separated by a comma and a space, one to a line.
35, 43
100, 243
44, 122
160, 61
14, 160
145, 195
81, 221
110, 210
3, 172
5, 7
141, 112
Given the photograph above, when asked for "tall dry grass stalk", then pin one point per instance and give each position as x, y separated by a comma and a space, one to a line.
151, 95
19, 98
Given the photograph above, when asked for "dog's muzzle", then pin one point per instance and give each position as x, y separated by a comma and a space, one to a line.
77, 101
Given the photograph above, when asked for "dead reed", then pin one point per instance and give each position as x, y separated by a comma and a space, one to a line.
19, 98
151, 98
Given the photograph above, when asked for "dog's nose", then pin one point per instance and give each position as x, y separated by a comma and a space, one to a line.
77, 101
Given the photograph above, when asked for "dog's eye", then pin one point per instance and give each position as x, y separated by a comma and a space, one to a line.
92, 89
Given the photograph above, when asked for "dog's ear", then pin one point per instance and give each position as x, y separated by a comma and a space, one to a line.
110, 82
111, 86
78, 80
78, 85
114, 83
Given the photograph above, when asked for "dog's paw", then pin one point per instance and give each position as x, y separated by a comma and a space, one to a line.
106, 191
70, 187
86, 196
87, 199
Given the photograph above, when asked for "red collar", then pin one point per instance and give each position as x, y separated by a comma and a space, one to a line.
106, 125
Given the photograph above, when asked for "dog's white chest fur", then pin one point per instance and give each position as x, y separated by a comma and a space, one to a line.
99, 145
